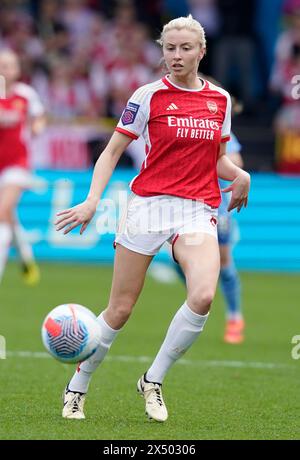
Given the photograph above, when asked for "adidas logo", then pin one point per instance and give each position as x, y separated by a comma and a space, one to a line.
172, 107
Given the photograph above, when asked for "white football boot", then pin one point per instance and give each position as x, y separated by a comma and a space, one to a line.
73, 404
155, 406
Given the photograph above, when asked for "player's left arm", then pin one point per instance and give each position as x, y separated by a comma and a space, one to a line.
237, 159
240, 179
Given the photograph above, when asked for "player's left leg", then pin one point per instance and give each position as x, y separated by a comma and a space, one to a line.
200, 263
30, 269
9, 197
230, 284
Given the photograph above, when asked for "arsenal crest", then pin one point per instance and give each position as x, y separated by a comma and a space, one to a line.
212, 107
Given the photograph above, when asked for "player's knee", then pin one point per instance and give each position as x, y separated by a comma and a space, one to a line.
122, 309
201, 300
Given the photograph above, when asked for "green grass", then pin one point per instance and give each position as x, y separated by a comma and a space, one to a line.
207, 397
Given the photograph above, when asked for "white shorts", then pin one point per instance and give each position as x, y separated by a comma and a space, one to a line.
148, 222
16, 175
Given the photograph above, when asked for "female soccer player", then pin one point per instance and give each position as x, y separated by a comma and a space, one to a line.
185, 122
19, 106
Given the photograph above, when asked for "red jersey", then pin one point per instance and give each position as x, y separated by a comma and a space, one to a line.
15, 109
182, 129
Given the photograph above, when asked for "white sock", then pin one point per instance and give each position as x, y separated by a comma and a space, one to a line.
5, 240
183, 331
81, 379
22, 245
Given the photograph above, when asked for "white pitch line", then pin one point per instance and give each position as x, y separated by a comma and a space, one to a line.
148, 359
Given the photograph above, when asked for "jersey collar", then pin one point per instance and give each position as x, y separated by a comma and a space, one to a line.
170, 84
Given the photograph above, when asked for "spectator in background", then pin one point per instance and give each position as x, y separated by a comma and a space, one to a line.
291, 35
233, 60
64, 94
78, 18
20, 36
126, 74
48, 18
148, 50
207, 13
129, 66
99, 43
55, 35
286, 66
174, 8
149, 13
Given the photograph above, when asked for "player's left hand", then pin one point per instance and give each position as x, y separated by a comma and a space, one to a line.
79, 215
240, 190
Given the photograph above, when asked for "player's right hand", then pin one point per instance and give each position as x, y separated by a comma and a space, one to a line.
71, 218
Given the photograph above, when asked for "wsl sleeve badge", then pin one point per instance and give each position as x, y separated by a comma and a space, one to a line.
129, 113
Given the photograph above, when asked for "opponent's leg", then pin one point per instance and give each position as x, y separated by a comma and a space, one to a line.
230, 284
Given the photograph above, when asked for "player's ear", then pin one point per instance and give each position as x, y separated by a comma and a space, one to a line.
202, 53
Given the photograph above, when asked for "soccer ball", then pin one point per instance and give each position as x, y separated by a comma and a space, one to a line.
71, 333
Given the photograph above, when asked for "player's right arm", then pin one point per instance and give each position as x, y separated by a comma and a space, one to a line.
131, 125
83, 213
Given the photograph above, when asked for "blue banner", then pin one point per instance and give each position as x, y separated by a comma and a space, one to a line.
269, 228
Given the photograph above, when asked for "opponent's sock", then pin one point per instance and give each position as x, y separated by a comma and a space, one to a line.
82, 377
183, 331
230, 284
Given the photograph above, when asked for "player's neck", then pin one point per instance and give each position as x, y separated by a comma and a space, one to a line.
188, 82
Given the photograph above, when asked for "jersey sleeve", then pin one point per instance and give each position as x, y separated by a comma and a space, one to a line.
227, 121
36, 107
135, 115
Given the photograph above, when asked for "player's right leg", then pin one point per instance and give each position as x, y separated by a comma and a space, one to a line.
9, 196
128, 279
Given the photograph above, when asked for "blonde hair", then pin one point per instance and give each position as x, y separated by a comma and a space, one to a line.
188, 23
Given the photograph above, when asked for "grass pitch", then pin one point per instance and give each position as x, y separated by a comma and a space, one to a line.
218, 391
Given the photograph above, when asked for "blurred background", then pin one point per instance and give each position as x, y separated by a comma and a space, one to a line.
85, 58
